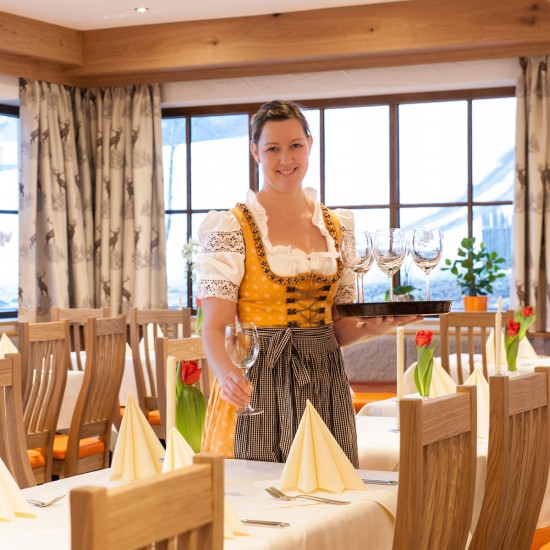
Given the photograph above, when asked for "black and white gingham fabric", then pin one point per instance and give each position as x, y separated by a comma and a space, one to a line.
294, 365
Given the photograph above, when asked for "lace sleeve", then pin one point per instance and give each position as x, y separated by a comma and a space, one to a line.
346, 289
220, 265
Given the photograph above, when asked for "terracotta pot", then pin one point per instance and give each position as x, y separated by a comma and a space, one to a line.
475, 303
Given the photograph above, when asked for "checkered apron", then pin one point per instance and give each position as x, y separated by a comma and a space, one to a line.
294, 365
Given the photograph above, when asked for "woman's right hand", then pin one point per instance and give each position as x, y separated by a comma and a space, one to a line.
235, 389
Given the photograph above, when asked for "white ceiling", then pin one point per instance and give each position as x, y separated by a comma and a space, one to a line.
103, 14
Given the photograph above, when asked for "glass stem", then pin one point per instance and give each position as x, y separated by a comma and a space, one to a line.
359, 284
428, 287
391, 288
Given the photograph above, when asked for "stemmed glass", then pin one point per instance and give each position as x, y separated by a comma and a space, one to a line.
426, 251
390, 250
357, 254
242, 345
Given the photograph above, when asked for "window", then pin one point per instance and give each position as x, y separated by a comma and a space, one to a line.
9, 219
441, 160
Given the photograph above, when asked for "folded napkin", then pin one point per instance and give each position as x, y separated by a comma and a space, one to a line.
6, 346
12, 503
138, 451
232, 525
178, 452
442, 383
477, 379
316, 461
525, 349
150, 338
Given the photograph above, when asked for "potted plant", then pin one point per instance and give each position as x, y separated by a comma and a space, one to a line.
401, 293
475, 269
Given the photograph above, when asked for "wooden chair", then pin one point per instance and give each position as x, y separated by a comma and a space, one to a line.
13, 446
475, 326
183, 349
44, 349
149, 511
77, 318
517, 461
86, 447
144, 325
437, 471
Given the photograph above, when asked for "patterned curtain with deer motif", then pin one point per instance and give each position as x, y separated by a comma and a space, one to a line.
91, 199
531, 224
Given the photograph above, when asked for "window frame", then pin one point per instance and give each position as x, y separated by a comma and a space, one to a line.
393, 101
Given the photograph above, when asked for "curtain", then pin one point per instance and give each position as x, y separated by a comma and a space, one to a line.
91, 213
531, 224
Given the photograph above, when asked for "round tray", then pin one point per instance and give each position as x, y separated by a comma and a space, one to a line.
395, 309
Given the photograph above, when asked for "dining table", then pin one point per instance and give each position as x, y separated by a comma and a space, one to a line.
364, 523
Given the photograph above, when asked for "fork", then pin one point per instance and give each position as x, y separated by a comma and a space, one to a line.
44, 504
274, 492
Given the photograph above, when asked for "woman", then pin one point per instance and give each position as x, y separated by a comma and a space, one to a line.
273, 260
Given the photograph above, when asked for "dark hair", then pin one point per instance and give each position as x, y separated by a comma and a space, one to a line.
276, 110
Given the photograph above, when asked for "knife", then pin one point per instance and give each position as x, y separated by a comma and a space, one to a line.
380, 481
265, 523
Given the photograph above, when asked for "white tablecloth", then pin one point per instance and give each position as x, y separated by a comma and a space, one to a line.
362, 524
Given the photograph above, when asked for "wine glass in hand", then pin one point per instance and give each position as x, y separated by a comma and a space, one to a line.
242, 345
357, 254
390, 250
426, 252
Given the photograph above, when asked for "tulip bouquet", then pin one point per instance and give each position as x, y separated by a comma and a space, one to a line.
424, 365
191, 404
516, 329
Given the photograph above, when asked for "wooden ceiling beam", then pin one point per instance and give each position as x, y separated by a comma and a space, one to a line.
373, 35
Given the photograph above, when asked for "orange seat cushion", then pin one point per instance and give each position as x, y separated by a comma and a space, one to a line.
122, 409
36, 458
88, 446
541, 539
361, 399
154, 417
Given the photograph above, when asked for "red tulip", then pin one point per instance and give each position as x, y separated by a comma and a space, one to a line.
424, 338
190, 372
512, 327
527, 311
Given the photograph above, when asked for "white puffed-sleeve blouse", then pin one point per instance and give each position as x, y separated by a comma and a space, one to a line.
220, 265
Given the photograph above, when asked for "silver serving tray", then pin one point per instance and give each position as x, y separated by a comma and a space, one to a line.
433, 308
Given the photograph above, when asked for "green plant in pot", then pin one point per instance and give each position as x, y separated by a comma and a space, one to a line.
401, 293
475, 269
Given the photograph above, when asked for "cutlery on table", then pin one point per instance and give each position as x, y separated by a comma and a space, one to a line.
266, 523
379, 481
274, 492
44, 504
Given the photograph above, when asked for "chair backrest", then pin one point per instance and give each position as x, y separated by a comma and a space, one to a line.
517, 461
182, 349
44, 349
437, 471
475, 327
103, 519
13, 446
145, 325
97, 402
77, 317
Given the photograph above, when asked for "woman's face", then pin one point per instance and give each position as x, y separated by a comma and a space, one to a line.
283, 153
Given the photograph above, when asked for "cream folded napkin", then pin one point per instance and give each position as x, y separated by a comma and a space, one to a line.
12, 503
232, 525
150, 338
525, 349
442, 383
316, 461
138, 451
178, 452
477, 379
6, 346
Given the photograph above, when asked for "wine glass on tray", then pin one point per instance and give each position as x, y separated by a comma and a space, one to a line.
390, 251
242, 344
357, 254
426, 252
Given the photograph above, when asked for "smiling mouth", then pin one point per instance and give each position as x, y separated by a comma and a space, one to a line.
287, 172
